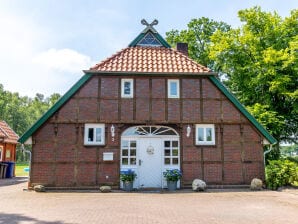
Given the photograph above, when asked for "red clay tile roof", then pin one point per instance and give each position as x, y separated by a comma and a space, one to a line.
7, 133
150, 60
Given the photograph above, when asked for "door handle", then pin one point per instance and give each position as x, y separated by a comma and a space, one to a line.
140, 162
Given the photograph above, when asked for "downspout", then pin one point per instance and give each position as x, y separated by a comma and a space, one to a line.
27, 151
266, 152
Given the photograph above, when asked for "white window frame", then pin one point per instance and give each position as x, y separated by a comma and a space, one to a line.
123, 94
94, 142
205, 142
129, 148
1, 153
171, 157
169, 88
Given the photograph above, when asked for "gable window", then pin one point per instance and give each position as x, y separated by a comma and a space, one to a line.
205, 134
94, 134
149, 40
127, 88
173, 88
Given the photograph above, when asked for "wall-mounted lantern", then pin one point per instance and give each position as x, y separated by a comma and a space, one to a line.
188, 130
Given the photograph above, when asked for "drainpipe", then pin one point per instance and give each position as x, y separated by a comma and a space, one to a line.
27, 151
266, 152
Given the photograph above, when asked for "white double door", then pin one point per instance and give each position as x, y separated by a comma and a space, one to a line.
150, 162
149, 157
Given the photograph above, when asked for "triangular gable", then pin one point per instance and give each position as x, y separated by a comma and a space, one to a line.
242, 109
149, 37
152, 37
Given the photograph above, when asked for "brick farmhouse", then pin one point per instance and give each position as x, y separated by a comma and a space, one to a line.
147, 108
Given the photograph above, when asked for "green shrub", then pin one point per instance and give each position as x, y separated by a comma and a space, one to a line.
281, 173
293, 159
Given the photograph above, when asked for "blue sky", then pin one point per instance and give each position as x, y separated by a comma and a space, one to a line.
45, 45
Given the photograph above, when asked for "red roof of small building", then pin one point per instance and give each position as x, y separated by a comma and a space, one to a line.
148, 59
7, 134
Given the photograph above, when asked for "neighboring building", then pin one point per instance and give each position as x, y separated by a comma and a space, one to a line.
148, 108
8, 143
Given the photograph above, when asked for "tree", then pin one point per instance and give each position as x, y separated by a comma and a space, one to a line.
260, 60
21, 112
258, 63
198, 36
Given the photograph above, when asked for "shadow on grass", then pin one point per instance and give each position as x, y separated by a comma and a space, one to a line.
18, 218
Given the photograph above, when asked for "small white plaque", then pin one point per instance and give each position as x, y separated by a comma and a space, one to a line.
108, 156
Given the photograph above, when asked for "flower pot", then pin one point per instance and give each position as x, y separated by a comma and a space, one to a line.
172, 185
127, 185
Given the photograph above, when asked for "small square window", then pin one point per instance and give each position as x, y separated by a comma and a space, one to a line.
127, 88
133, 161
124, 161
94, 134
167, 152
173, 88
175, 152
167, 144
133, 152
205, 134
167, 161
124, 152
133, 144
175, 161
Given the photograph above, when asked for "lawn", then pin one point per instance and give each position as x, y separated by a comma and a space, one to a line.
20, 169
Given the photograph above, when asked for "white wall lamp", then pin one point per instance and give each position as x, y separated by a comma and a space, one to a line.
113, 132
188, 130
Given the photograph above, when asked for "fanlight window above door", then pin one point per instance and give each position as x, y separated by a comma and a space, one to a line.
149, 131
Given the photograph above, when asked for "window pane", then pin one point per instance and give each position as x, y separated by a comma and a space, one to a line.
133, 152
124, 144
124, 161
133, 144
98, 134
201, 134
90, 134
174, 143
127, 88
167, 161
209, 134
175, 152
167, 152
133, 161
175, 161
167, 144
173, 88
124, 152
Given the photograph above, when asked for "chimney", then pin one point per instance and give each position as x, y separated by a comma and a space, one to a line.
183, 48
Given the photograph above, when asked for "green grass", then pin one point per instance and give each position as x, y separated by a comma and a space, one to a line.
20, 170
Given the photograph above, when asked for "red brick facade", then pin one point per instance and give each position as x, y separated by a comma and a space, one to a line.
60, 158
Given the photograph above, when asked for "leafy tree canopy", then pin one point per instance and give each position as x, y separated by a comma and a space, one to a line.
258, 61
21, 112
198, 36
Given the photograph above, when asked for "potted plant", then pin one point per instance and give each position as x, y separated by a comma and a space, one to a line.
172, 176
127, 177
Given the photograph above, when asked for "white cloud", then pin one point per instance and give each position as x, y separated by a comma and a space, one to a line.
64, 60
26, 68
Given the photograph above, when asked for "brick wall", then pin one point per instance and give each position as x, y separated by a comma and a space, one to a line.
60, 158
